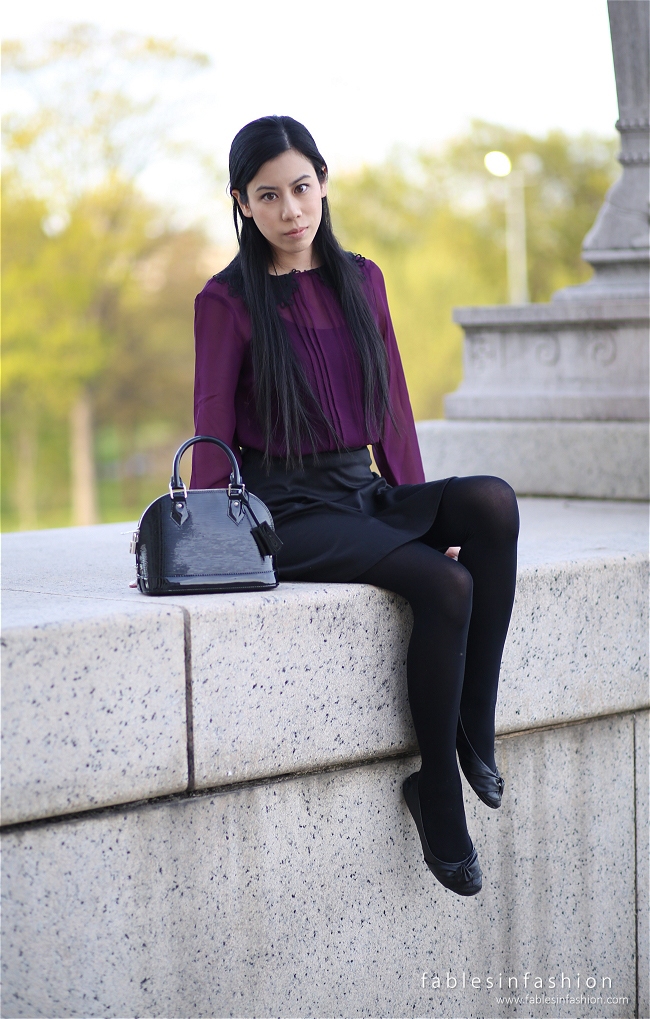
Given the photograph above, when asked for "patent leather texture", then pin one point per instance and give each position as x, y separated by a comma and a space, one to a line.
487, 784
465, 877
205, 540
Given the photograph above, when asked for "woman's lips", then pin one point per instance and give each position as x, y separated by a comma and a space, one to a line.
297, 233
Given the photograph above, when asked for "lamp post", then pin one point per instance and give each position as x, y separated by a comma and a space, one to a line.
498, 164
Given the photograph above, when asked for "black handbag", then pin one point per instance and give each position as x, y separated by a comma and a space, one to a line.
208, 539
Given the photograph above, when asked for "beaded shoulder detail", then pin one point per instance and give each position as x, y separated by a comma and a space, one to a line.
232, 277
284, 287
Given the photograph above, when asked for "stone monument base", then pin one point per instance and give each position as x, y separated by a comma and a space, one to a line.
585, 459
554, 399
566, 361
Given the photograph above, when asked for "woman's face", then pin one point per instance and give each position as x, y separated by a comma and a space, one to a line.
284, 200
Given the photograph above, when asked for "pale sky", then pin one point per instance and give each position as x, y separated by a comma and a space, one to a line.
366, 75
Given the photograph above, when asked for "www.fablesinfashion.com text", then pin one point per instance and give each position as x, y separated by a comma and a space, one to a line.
561, 999
503, 981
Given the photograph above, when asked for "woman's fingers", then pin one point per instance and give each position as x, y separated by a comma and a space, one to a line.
453, 551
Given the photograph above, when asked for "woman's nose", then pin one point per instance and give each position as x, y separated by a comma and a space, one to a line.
291, 209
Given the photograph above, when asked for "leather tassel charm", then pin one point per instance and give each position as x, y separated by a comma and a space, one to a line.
266, 539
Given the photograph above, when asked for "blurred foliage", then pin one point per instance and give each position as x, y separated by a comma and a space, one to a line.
106, 304
435, 223
99, 283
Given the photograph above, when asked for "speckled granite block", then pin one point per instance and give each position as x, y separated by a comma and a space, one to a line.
314, 675
642, 736
93, 712
577, 644
303, 677
309, 897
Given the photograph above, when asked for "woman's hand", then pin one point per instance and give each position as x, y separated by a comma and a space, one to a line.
453, 551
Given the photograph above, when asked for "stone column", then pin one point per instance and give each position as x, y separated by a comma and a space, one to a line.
555, 396
618, 243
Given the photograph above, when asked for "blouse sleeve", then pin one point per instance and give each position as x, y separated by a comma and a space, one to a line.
220, 353
398, 454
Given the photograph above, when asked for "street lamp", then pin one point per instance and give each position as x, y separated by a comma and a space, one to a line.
498, 164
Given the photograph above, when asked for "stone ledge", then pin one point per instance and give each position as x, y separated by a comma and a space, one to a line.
303, 677
323, 678
93, 712
602, 311
583, 459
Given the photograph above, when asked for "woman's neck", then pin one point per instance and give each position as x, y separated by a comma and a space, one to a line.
300, 261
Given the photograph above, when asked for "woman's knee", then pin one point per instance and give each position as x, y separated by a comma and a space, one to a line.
493, 505
504, 505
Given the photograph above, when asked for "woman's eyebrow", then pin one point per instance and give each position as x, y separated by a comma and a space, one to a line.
274, 187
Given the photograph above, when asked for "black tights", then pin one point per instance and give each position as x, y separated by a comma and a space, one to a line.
461, 612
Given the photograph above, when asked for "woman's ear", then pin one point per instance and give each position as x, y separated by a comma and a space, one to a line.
323, 184
245, 209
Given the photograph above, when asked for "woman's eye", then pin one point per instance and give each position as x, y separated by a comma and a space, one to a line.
301, 189
269, 196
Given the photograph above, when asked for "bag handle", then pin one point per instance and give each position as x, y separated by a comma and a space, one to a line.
265, 537
176, 485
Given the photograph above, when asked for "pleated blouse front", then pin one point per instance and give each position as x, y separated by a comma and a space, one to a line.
224, 404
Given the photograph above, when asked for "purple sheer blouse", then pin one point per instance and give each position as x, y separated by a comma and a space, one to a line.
224, 404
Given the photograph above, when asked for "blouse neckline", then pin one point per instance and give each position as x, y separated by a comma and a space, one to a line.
283, 286
297, 272
287, 283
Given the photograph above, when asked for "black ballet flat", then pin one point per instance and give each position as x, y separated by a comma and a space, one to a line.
488, 785
464, 878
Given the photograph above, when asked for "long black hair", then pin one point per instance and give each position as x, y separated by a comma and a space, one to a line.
287, 408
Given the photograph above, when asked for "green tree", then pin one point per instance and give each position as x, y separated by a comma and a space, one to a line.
144, 397
75, 231
435, 223
102, 312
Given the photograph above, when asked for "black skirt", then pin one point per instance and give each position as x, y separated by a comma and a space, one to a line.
336, 517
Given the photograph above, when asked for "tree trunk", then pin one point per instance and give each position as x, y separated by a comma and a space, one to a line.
84, 481
26, 477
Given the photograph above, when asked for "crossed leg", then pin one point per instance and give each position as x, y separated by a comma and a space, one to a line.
461, 612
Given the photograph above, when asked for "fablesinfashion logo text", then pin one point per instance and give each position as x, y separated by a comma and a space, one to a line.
509, 982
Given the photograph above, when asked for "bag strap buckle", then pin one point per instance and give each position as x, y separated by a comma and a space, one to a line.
179, 492
236, 499
178, 495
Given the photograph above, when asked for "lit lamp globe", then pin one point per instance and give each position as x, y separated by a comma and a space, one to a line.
498, 164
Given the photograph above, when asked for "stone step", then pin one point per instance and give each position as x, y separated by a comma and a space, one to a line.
582, 459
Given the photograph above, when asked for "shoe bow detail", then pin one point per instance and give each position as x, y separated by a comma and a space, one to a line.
464, 877
466, 871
